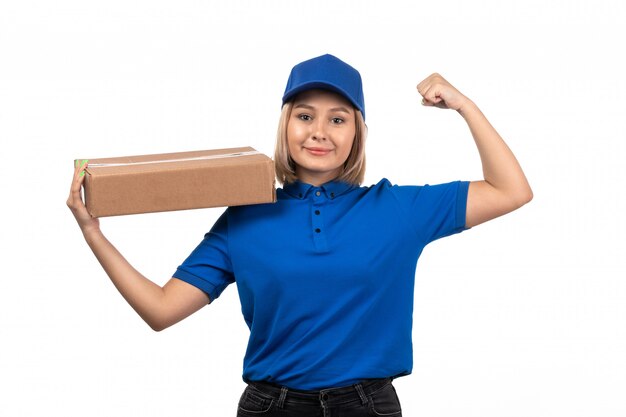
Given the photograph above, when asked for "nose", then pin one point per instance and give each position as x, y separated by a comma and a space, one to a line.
319, 130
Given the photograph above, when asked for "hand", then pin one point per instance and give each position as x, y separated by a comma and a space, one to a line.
75, 200
438, 92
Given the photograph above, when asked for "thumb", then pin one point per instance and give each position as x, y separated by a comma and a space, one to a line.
436, 101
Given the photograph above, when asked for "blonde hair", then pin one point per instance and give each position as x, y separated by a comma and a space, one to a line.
353, 169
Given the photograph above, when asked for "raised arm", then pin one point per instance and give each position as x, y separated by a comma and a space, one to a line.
158, 306
504, 187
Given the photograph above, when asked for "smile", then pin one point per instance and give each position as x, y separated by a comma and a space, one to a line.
318, 151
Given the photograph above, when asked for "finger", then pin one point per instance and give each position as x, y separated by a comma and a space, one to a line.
442, 105
75, 196
423, 90
436, 102
425, 101
80, 165
428, 81
423, 86
431, 95
79, 173
420, 87
77, 181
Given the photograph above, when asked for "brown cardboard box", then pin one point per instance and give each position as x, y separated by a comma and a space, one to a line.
178, 181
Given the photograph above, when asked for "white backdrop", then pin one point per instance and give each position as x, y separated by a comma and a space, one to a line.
523, 316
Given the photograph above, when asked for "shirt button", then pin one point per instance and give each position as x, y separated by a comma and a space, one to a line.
317, 230
332, 195
317, 212
300, 195
317, 193
325, 397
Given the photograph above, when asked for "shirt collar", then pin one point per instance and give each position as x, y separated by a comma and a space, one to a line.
332, 189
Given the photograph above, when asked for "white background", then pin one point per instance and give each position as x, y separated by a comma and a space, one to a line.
523, 316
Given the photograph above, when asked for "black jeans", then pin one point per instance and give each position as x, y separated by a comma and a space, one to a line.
372, 397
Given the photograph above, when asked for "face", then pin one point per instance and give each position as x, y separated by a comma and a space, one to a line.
320, 133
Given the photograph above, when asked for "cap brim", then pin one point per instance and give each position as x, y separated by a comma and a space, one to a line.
323, 85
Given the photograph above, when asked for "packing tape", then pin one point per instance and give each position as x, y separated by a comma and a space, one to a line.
196, 158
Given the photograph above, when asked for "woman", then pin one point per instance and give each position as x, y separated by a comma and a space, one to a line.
325, 275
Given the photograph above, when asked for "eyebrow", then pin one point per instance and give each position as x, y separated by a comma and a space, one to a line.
306, 106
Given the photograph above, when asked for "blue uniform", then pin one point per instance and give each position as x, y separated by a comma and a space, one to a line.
326, 276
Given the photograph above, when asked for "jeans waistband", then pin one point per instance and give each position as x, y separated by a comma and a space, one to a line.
330, 396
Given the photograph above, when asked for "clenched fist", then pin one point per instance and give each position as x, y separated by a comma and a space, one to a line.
437, 91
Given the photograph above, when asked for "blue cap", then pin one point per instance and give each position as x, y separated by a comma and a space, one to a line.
329, 73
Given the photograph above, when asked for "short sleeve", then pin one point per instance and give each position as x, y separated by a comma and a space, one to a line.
434, 211
209, 266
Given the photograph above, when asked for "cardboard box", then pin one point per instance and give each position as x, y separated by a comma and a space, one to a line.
178, 181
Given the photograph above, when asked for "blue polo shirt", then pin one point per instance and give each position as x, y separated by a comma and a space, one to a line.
326, 276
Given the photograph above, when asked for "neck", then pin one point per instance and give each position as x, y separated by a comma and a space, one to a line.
317, 178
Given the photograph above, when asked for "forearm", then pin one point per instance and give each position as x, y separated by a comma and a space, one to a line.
144, 296
501, 170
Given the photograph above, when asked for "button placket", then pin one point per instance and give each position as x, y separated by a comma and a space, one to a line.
317, 220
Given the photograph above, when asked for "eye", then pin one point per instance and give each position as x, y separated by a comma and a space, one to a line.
337, 120
304, 117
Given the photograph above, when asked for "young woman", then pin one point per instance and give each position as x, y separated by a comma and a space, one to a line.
325, 275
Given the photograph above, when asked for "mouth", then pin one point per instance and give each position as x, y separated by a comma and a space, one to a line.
318, 151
